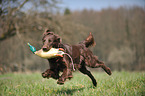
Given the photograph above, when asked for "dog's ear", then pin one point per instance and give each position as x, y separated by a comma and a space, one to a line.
58, 38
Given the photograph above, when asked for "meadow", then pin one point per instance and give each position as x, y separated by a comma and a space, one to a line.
32, 84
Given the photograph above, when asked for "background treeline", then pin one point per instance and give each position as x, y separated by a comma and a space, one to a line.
119, 33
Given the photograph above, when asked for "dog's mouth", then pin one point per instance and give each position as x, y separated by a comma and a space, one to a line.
45, 49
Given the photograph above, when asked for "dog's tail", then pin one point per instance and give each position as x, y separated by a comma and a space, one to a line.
89, 41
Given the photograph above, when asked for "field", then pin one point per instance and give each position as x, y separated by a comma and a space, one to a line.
32, 84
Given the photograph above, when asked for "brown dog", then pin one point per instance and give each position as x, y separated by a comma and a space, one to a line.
80, 54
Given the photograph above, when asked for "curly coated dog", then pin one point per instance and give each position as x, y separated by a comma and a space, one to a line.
80, 54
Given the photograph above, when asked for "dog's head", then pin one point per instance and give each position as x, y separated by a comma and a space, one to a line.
50, 40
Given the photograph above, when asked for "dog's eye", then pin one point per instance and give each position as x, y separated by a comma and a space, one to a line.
49, 40
44, 40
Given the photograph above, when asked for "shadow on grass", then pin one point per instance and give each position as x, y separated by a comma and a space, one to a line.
69, 91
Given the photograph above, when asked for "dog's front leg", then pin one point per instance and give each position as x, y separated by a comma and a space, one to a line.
64, 76
50, 73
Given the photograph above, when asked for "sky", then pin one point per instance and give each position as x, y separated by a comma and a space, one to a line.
100, 4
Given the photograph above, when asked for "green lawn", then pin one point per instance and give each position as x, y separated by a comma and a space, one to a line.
118, 84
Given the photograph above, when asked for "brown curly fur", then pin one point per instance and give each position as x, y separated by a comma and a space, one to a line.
80, 54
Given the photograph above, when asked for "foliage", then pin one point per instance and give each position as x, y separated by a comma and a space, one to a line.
121, 57
119, 84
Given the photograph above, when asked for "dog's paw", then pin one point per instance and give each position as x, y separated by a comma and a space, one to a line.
70, 77
109, 71
44, 75
60, 82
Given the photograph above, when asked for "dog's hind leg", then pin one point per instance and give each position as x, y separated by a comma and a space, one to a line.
101, 64
84, 70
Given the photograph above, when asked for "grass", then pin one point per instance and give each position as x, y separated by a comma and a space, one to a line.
119, 84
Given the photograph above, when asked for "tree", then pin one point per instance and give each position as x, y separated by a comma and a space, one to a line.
67, 11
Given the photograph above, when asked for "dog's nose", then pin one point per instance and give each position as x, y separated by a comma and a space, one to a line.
45, 49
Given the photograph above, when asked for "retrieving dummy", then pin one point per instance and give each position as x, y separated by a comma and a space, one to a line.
52, 53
